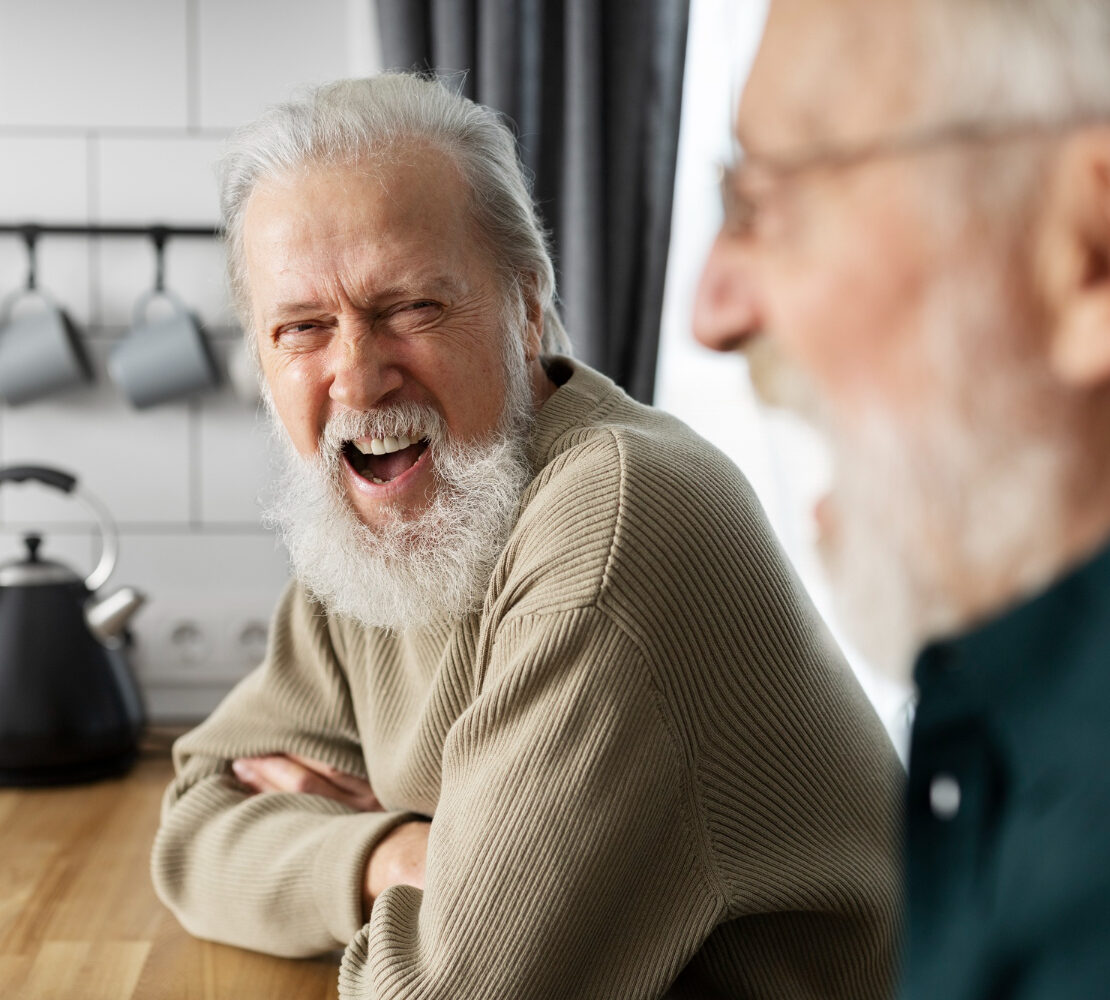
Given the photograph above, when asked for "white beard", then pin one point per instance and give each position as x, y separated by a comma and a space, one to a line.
931, 517
405, 574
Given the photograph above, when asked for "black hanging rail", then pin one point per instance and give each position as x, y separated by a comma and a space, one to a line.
157, 234
32, 230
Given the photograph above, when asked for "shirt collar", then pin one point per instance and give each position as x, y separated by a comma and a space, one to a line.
1028, 640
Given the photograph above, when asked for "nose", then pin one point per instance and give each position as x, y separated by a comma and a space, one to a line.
726, 307
363, 370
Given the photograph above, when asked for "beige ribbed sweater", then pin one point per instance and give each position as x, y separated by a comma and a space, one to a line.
649, 772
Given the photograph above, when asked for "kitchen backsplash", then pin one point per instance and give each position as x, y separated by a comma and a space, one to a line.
115, 112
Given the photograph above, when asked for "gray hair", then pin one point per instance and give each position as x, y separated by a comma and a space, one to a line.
1040, 60
351, 120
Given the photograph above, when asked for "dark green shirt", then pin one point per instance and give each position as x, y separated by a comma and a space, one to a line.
1008, 837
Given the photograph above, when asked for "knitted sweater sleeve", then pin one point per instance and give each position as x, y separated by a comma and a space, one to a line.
563, 860
280, 873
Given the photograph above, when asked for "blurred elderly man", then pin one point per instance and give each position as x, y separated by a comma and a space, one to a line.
921, 224
545, 713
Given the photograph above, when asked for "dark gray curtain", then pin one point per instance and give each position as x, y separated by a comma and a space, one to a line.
594, 88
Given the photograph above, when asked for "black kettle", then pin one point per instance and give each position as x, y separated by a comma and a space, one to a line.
70, 709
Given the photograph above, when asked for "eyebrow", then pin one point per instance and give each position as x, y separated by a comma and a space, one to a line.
285, 308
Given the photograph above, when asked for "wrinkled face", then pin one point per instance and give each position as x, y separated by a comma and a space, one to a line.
369, 290
903, 323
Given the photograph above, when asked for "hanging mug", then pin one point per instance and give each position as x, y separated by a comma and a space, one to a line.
40, 351
162, 359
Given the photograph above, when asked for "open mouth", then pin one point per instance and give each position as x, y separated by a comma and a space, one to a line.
381, 460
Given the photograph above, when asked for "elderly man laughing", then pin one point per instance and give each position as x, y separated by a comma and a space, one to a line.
921, 226
544, 713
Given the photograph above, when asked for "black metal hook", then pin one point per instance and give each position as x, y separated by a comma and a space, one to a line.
159, 236
30, 238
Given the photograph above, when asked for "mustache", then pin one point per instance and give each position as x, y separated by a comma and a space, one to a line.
416, 420
413, 420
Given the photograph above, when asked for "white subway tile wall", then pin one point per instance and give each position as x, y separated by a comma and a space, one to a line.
248, 51
194, 273
109, 64
115, 112
157, 178
47, 173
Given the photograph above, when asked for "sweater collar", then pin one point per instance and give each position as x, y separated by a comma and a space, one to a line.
581, 393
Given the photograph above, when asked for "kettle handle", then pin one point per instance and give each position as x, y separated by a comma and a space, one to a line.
109, 543
50, 477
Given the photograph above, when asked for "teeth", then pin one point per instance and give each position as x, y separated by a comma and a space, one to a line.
386, 446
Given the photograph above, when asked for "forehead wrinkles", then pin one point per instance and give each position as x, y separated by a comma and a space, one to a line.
338, 233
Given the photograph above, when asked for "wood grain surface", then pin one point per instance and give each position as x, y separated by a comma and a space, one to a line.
80, 921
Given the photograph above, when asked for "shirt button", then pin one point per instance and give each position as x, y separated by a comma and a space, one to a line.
944, 796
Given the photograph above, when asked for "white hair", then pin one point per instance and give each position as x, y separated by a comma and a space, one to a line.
364, 120
1039, 60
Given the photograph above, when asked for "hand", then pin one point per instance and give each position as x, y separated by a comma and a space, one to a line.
399, 859
292, 773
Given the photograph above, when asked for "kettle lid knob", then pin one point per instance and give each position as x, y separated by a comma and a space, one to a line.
33, 569
32, 540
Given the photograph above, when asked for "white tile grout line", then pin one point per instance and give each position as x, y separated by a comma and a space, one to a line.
113, 132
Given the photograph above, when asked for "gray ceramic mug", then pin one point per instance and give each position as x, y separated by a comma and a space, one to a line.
162, 359
40, 351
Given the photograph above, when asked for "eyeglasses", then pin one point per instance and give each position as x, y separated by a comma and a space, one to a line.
750, 173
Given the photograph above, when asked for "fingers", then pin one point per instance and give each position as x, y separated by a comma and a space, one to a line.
341, 779
399, 859
357, 790
277, 773
300, 775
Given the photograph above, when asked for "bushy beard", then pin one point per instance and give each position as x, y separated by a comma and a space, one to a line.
930, 516
406, 573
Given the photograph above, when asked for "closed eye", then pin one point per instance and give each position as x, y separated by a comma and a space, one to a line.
413, 315
300, 333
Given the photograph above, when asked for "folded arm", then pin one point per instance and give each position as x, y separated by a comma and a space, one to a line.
281, 872
563, 860
399, 858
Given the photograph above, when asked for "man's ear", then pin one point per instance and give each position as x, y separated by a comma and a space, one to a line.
533, 336
1074, 260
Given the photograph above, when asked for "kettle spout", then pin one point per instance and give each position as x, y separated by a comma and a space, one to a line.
108, 616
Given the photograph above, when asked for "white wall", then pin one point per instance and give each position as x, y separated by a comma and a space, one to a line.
113, 112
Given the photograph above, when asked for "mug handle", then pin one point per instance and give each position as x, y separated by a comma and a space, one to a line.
7, 304
141, 306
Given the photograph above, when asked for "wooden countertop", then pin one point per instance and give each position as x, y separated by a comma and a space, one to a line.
80, 921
